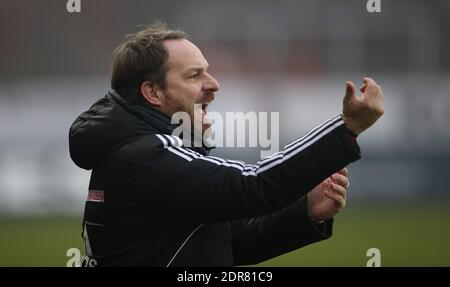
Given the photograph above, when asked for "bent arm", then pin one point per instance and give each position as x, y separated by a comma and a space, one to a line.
258, 239
187, 187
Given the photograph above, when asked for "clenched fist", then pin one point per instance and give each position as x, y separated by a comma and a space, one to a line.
359, 113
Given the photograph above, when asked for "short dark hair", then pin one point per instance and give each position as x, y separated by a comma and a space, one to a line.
142, 57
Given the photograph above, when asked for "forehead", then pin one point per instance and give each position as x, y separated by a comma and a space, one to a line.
183, 54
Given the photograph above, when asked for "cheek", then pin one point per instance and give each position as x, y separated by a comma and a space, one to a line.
176, 102
185, 95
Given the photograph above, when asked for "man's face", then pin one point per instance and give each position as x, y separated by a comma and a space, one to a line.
189, 88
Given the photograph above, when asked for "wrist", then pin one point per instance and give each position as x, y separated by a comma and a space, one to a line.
353, 129
311, 217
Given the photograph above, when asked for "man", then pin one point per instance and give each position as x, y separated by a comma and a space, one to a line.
153, 201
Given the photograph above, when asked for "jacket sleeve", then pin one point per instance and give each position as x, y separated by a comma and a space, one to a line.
182, 186
258, 239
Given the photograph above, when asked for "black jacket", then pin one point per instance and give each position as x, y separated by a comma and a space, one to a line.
154, 202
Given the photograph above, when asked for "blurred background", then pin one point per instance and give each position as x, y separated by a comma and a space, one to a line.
286, 56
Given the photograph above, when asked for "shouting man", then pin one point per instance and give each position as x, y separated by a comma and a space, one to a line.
154, 201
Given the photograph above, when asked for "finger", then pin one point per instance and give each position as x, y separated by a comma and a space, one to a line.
343, 171
374, 96
363, 88
340, 180
372, 88
349, 91
338, 189
369, 81
338, 200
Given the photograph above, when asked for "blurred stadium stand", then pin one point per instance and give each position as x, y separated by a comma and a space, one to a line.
291, 57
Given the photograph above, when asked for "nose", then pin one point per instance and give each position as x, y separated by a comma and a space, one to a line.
211, 84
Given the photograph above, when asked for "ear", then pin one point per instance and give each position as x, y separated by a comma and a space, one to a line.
151, 93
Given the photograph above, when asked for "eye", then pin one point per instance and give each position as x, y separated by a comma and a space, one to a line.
193, 76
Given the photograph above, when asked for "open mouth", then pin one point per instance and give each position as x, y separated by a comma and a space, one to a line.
201, 109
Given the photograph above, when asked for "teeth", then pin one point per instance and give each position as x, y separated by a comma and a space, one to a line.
202, 106
201, 109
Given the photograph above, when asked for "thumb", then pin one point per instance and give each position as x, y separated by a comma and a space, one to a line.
349, 92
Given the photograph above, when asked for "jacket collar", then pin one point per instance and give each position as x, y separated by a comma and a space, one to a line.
146, 113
